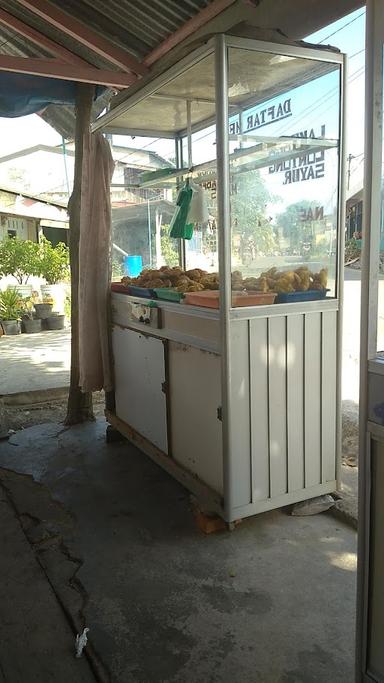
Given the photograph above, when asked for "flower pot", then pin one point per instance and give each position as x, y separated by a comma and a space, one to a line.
25, 291
55, 322
32, 326
11, 326
57, 292
43, 311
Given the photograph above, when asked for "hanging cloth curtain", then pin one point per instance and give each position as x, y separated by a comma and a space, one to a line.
94, 264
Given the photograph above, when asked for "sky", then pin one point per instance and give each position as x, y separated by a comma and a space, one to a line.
347, 34
349, 37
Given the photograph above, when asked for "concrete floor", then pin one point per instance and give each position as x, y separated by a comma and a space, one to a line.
271, 602
36, 643
34, 362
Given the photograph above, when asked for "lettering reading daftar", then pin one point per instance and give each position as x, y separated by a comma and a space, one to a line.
263, 117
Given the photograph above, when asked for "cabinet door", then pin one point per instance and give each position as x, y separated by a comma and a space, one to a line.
139, 365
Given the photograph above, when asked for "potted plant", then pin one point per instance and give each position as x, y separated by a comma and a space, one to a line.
43, 307
31, 324
10, 311
56, 321
54, 268
19, 259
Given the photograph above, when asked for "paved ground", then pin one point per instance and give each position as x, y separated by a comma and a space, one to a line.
271, 602
31, 362
36, 641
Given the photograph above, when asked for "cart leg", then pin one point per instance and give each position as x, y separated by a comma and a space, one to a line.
112, 435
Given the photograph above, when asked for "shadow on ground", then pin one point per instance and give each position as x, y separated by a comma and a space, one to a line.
271, 602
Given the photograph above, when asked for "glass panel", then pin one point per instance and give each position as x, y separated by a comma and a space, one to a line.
141, 215
202, 250
165, 110
380, 293
284, 165
145, 211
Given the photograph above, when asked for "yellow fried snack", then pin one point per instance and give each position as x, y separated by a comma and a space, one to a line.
195, 287
304, 281
166, 282
256, 284
271, 273
319, 280
184, 286
154, 283
194, 274
283, 286
323, 277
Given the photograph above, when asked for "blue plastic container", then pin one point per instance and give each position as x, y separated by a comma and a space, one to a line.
294, 297
133, 265
142, 292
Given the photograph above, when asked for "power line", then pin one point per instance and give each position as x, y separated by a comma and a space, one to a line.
357, 53
342, 27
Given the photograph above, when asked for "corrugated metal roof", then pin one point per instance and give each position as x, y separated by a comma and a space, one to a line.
139, 26
135, 25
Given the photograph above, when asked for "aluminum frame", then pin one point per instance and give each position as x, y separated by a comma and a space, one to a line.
374, 38
149, 84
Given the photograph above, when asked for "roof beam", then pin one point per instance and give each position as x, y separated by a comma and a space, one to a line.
84, 35
186, 30
53, 68
39, 39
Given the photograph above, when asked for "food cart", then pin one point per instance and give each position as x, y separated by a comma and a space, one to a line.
235, 388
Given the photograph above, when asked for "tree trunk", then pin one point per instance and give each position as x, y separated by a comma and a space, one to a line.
79, 407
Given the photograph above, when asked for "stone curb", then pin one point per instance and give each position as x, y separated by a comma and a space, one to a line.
31, 397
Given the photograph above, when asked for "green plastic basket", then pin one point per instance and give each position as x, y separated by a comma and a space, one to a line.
169, 294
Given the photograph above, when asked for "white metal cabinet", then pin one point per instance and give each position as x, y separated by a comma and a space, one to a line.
139, 384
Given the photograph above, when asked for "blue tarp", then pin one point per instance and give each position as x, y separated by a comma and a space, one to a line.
21, 94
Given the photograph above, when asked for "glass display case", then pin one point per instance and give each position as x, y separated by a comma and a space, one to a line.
257, 132
283, 136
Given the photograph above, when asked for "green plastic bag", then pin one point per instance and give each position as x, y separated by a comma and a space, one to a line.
179, 226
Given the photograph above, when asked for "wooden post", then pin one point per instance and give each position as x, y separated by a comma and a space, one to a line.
79, 404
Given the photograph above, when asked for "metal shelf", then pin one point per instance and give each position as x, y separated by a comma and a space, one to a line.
249, 158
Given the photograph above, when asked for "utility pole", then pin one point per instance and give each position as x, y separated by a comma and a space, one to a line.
349, 159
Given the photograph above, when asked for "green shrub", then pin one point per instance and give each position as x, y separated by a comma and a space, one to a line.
352, 250
19, 258
53, 261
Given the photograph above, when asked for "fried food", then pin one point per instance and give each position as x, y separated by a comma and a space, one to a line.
196, 280
320, 280
195, 274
